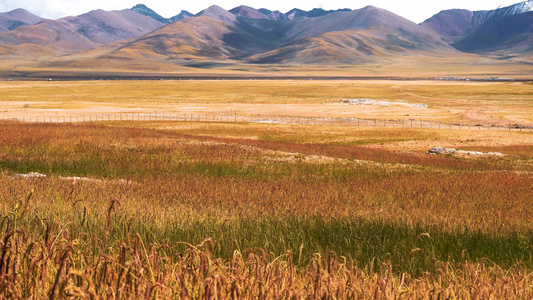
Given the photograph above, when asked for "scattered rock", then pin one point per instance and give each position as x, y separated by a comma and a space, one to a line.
442, 150
29, 175
73, 178
367, 101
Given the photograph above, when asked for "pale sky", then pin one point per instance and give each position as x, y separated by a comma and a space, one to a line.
415, 10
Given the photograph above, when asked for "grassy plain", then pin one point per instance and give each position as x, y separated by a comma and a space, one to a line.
265, 210
446, 101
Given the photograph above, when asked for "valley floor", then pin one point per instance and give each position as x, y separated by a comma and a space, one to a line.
133, 209
474, 102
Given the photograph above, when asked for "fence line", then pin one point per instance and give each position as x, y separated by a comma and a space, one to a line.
273, 119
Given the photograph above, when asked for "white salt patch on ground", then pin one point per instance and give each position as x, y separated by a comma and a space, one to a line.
367, 101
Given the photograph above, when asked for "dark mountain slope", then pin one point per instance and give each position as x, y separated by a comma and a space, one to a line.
218, 13
182, 15
348, 47
514, 34
104, 27
248, 12
364, 35
55, 35
16, 18
315, 12
199, 38
144, 10
75, 34
274, 15
456, 24
362, 19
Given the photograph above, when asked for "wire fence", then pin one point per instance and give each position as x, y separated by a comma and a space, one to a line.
274, 119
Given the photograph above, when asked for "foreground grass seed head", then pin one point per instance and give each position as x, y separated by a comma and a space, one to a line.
211, 215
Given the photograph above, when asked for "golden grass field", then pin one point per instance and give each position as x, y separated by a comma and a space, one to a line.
215, 210
447, 101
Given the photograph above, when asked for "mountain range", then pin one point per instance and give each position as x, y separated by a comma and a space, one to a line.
263, 36
508, 28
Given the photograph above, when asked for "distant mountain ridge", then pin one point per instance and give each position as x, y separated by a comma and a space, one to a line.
242, 11
512, 34
19, 17
262, 13
75, 34
315, 12
318, 36
363, 35
144, 10
456, 24
483, 31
